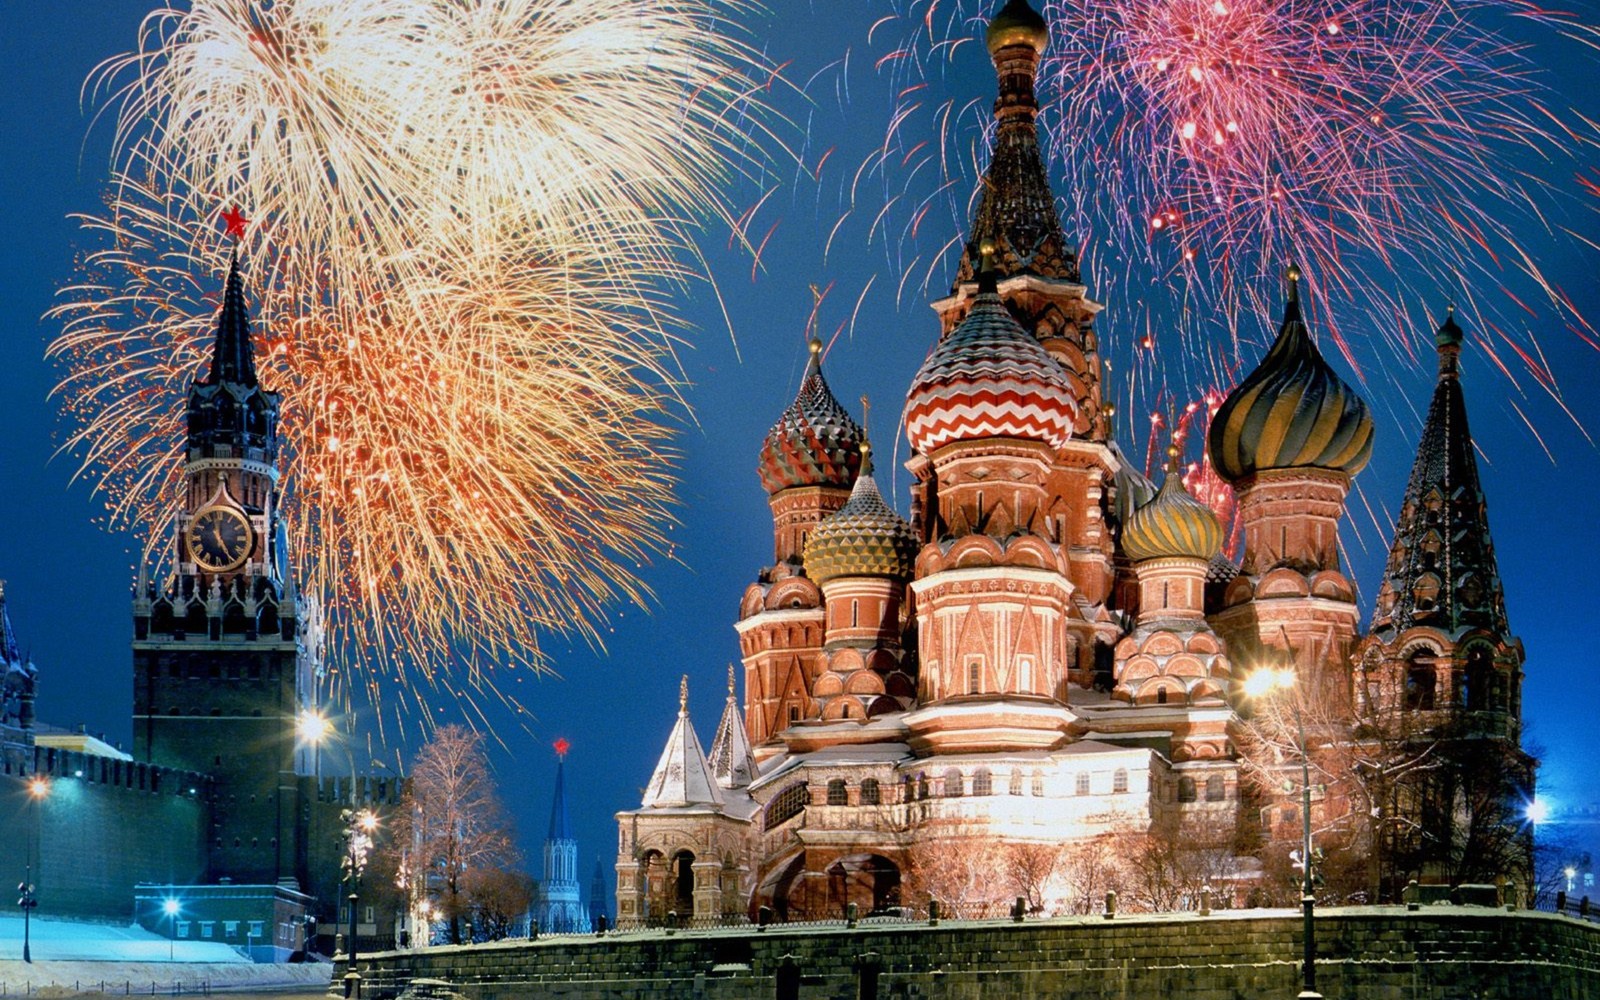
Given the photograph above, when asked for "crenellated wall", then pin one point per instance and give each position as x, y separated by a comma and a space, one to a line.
103, 826
1368, 952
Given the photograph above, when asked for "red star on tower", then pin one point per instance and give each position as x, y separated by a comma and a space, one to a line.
235, 221
562, 745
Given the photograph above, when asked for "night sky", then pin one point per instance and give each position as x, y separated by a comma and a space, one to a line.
68, 580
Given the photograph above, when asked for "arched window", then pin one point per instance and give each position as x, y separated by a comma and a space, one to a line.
1420, 681
1038, 784
786, 805
922, 784
1186, 789
975, 675
1475, 694
869, 792
982, 782
1161, 696
1083, 783
837, 793
1025, 674
952, 783
1016, 782
1119, 781
1216, 791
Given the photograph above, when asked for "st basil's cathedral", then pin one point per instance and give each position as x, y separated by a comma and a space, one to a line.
1047, 654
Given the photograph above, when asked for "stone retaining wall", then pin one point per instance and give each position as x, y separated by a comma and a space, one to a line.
1381, 953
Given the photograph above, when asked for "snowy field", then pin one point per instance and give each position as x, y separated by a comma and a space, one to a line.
79, 957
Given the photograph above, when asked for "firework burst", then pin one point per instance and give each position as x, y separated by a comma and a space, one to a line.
1202, 145
470, 215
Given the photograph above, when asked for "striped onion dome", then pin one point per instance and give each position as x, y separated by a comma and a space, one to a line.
815, 442
989, 379
1292, 412
1172, 525
1017, 23
865, 537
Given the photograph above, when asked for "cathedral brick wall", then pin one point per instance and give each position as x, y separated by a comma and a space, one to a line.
98, 834
1376, 952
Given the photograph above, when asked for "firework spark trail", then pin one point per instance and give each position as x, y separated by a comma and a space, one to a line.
1201, 145
471, 217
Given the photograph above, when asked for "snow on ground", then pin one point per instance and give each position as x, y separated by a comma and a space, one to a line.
69, 956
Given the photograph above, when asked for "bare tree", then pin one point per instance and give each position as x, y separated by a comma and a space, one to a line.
452, 829
1029, 870
960, 865
500, 900
1088, 869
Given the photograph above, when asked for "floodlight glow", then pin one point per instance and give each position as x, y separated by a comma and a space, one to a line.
170, 907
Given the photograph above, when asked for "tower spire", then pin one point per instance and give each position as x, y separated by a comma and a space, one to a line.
1016, 210
232, 355
1442, 570
731, 762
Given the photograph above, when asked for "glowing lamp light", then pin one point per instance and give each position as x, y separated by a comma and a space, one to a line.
38, 788
368, 821
1267, 680
312, 726
1538, 810
171, 907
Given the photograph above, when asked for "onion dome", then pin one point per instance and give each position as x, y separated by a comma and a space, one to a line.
865, 537
1173, 525
815, 442
989, 379
1292, 412
1017, 23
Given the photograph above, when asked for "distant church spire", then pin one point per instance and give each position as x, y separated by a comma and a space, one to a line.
559, 910
1442, 570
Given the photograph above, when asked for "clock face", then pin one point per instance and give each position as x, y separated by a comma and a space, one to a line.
219, 539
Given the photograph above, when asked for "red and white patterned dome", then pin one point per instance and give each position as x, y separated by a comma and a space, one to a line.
989, 379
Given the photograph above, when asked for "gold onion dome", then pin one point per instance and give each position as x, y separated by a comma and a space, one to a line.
1172, 525
815, 442
865, 537
1292, 412
1017, 23
989, 379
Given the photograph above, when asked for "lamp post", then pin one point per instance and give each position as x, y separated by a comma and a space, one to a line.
38, 788
312, 727
359, 828
1263, 682
170, 906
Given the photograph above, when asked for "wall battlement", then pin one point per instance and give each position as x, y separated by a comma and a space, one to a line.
1436, 953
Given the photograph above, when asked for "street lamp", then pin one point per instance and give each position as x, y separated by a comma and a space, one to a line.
38, 788
312, 727
1259, 684
359, 827
171, 907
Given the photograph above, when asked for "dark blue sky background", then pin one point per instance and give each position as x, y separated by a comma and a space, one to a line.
68, 579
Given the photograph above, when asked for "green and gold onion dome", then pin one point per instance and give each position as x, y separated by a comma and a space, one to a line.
1173, 524
815, 442
865, 537
1292, 412
1017, 23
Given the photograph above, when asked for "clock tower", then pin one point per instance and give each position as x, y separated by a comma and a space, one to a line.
220, 672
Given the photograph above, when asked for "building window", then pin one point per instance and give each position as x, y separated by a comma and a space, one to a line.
1420, 682
1186, 789
869, 792
983, 782
974, 675
1119, 781
855, 613
785, 806
953, 782
254, 929
1016, 782
1038, 784
1025, 674
1216, 791
230, 928
922, 785
370, 916
183, 928
1083, 783
794, 714
838, 794
208, 928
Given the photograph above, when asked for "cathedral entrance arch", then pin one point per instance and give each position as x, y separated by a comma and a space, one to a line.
817, 888
681, 875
